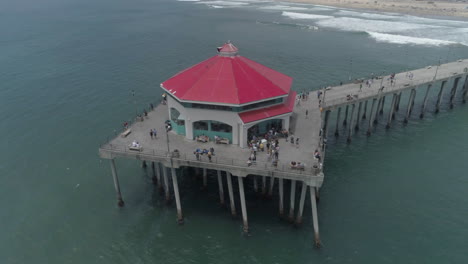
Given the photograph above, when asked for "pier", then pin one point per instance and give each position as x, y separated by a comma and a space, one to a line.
353, 103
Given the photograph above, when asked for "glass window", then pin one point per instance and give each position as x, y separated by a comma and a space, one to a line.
200, 125
220, 127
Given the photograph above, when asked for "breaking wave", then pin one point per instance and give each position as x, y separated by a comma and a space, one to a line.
400, 39
283, 7
295, 15
357, 24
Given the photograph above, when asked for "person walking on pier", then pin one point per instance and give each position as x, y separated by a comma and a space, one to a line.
209, 156
297, 142
151, 133
307, 113
154, 133
360, 87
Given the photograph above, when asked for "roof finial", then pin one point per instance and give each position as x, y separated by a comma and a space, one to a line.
228, 50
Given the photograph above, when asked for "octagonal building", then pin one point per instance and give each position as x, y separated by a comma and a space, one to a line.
229, 96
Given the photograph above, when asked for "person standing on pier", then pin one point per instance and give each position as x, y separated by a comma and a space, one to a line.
297, 142
360, 87
307, 112
151, 133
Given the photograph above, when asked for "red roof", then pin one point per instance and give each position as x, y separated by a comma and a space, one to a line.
228, 79
259, 114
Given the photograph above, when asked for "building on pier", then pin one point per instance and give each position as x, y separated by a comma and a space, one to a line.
230, 97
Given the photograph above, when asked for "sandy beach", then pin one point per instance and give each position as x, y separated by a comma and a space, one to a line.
431, 8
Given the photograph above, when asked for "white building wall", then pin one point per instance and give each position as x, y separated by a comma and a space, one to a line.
194, 114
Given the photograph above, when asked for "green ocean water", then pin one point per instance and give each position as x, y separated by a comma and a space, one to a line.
67, 69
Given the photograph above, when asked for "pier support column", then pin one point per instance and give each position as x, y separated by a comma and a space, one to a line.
255, 184
281, 200
166, 184
292, 200
325, 124
356, 127
397, 103
337, 122
392, 107
377, 111
382, 106
205, 179
180, 217
423, 108
410, 105
465, 90
453, 92
301, 204
315, 217
272, 185
143, 164
439, 96
231, 193
221, 189
153, 177
365, 110
369, 127
158, 175
345, 120
120, 201
243, 206
264, 188
351, 120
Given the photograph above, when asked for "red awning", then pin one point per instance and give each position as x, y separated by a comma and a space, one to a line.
271, 111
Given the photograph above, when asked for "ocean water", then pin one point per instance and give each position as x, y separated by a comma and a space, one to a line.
67, 71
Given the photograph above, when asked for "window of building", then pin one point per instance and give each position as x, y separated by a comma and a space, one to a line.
200, 125
220, 127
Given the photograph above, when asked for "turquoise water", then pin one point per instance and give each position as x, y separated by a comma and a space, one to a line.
66, 75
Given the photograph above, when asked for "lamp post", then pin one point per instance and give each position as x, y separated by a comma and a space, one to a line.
437, 68
350, 67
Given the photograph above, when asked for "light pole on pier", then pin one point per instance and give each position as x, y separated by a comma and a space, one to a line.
437, 68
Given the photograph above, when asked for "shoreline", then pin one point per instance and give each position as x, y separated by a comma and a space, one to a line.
407, 7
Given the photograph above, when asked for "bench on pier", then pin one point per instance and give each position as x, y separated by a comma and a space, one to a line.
222, 141
203, 139
126, 133
135, 148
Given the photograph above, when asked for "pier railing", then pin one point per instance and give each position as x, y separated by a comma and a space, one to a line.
314, 168
402, 85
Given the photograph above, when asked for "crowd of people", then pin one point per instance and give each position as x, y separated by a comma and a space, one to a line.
201, 152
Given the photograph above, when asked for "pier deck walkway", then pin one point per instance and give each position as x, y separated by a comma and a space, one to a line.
227, 157
337, 96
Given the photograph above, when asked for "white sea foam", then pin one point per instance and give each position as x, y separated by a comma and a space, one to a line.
400, 39
357, 24
283, 7
223, 3
295, 15
215, 6
364, 15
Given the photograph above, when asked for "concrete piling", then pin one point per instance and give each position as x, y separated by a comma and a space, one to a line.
351, 120
180, 217
315, 217
255, 184
365, 110
423, 107
243, 205
281, 198
205, 179
264, 189
120, 201
221, 189
453, 92
301, 204
337, 122
439, 96
369, 127
465, 89
153, 176
231, 193
382, 106
392, 107
272, 185
356, 127
345, 120
166, 184
410, 105
397, 103
377, 111
292, 200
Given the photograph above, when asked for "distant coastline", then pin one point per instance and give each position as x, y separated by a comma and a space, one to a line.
411, 7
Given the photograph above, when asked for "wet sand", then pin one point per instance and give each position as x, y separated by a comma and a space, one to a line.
432, 8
